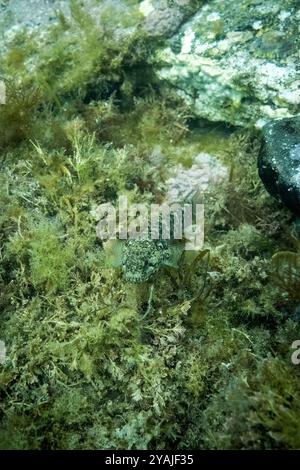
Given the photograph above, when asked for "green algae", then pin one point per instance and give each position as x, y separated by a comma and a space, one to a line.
198, 357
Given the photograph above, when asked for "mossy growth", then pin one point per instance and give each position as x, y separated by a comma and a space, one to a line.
199, 354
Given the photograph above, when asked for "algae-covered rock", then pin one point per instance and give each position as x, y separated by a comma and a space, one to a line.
159, 18
163, 17
232, 64
279, 161
17, 15
237, 63
36, 16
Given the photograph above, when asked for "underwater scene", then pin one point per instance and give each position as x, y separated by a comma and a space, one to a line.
149, 224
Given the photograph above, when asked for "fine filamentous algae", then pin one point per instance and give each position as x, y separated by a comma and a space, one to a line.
149, 225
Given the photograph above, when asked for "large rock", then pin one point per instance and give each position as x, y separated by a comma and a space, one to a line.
279, 161
237, 62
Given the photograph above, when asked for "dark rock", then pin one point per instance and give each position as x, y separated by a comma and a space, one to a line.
279, 161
